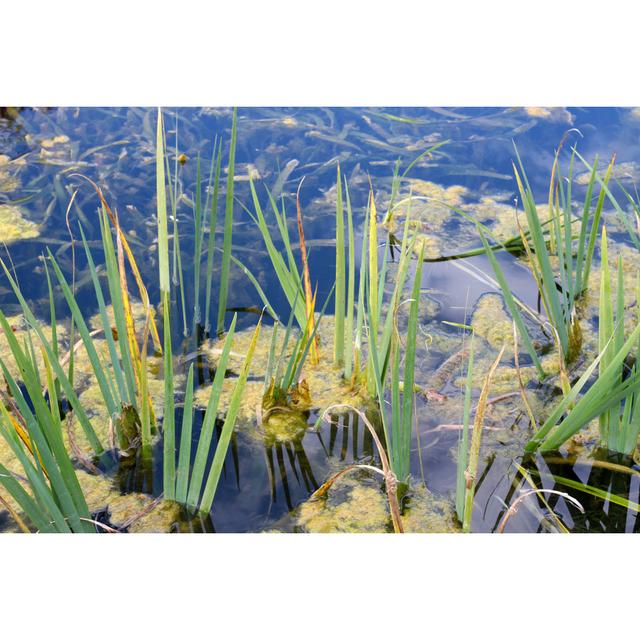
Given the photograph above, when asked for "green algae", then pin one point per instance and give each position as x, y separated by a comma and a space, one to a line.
9, 179
491, 321
559, 115
14, 225
444, 232
359, 505
101, 494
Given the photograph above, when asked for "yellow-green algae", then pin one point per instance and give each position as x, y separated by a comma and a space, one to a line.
491, 321
53, 150
559, 115
14, 225
100, 494
359, 505
430, 208
9, 180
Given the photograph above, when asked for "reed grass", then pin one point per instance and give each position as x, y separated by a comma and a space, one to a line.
283, 373
213, 220
463, 442
228, 230
351, 284
399, 428
168, 423
33, 430
339, 317
380, 333
286, 272
555, 252
58, 370
614, 396
184, 484
177, 275
470, 462
194, 487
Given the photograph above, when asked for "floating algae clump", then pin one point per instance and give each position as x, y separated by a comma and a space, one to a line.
445, 231
360, 506
14, 226
429, 210
283, 427
452, 195
363, 510
251, 398
558, 115
9, 181
490, 321
100, 494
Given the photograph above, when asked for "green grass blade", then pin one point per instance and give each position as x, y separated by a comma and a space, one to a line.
184, 457
208, 423
463, 443
409, 369
227, 428
349, 344
213, 221
228, 230
338, 342
64, 381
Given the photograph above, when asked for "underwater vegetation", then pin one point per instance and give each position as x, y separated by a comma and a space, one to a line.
250, 347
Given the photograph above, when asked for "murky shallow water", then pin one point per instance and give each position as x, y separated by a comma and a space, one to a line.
263, 483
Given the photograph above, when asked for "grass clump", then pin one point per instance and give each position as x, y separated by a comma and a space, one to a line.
560, 262
614, 396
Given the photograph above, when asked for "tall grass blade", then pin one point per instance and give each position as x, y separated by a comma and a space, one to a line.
339, 339
227, 428
228, 230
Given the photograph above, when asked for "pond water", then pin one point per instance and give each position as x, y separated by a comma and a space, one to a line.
265, 483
